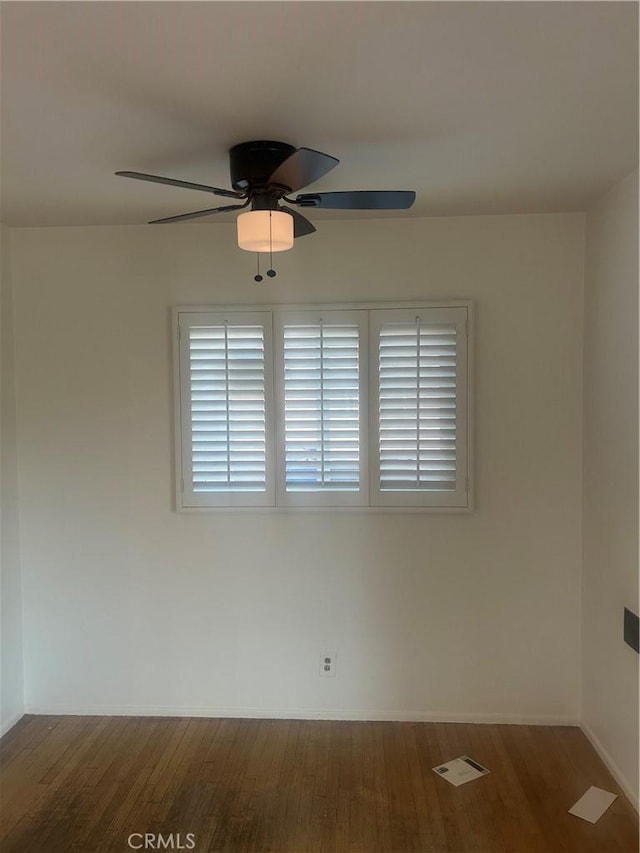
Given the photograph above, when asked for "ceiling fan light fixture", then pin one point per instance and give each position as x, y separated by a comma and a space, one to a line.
265, 231
263, 175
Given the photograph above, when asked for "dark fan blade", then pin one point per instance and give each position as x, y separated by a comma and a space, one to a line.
154, 179
302, 168
182, 216
359, 200
301, 225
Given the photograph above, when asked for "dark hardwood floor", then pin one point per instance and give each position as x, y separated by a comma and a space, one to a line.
90, 784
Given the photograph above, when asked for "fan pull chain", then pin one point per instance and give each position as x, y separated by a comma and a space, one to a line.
270, 272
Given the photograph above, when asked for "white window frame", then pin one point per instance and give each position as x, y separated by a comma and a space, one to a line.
460, 501
322, 497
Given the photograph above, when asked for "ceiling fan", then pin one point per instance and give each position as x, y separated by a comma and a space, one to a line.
263, 174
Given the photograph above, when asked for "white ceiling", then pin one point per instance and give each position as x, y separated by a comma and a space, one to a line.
481, 107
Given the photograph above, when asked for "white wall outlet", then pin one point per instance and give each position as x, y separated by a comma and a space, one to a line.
328, 664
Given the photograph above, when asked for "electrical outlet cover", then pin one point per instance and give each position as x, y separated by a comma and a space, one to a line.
328, 664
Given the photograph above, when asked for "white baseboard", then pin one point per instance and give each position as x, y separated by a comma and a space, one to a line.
612, 767
10, 723
304, 714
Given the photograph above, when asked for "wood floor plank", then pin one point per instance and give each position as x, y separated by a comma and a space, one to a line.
83, 785
286, 806
135, 775
23, 793
372, 750
399, 794
363, 829
420, 761
231, 802
190, 791
477, 829
382, 818
479, 806
20, 740
517, 823
133, 758
90, 771
455, 821
342, 783
317, 811
309, 760
38, 755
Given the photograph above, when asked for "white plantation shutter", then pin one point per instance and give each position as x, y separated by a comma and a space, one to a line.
421, 407
323, 406
226, 359
321, 381
417, 406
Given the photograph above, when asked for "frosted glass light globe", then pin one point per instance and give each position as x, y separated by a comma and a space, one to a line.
265, 231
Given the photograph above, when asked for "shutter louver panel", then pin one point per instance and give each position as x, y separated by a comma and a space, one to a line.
321, 407
227, 403
417, 388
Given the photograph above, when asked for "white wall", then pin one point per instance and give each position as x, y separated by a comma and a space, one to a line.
610, 495
130, 606
11, 677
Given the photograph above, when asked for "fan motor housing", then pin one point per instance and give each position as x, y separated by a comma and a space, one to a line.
251, 164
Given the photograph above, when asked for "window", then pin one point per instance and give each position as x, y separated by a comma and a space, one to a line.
326, 406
